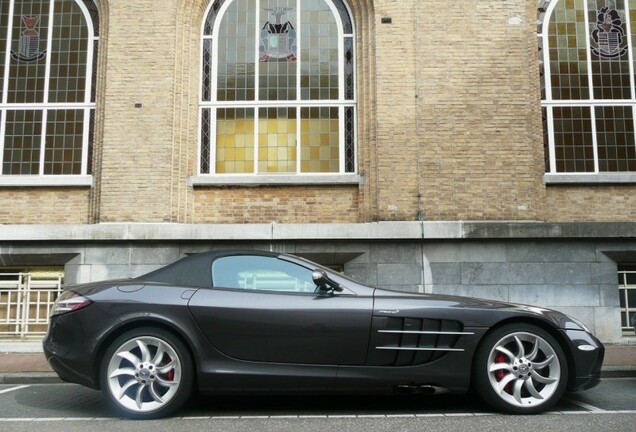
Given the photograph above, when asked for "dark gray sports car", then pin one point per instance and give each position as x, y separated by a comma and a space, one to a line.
249, 322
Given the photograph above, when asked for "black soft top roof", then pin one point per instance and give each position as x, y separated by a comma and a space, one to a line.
195, 270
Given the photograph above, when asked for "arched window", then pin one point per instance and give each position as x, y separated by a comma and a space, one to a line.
278, 88
588, 92
47, 87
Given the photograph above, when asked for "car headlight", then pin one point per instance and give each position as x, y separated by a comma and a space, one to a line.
69, 301
580, 324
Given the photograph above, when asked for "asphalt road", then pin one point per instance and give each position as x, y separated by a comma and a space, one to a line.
66, 407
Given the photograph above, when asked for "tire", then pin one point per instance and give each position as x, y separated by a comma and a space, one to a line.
520, 369
147, 373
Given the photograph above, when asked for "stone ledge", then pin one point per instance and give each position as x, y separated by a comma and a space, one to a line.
356, 231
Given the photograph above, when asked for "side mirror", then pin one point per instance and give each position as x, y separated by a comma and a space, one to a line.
321, 278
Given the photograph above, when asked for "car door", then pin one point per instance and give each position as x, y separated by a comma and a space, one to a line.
266, 309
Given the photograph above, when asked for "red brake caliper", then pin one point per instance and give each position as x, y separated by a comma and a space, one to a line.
170, 373
500, 374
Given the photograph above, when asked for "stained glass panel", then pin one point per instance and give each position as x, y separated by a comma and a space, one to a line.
632, 21
350, 148
209, 21
277, 50
205, 140
23, 136
69, 53
615, 132
348, 68
319, 53
347, 25
582, 142
546, 139
277, 140
91, 142
258, 60
64, 137
206, 82
94, 73
236, 53
68, 79
28, 52
609, 52
574, 149
4, 21
234, 140
568, 51
93, 12
320, 140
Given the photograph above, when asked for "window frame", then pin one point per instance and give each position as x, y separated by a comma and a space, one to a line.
87, 106
626, 275
551, 175
285, 178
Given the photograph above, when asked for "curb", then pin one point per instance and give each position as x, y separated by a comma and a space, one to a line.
30, 378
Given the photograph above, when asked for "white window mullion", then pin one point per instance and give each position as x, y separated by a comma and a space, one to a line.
298, 87
546, 52
5, 82
630, 54
213, 126
47, 79
88, 89
45, 115
341, 94
85, 137
551, 149
590, 79
257, 81
256, 132
298, 143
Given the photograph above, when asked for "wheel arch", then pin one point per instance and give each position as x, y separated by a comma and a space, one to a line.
139, 323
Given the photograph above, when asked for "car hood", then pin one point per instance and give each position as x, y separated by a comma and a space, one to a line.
473, 312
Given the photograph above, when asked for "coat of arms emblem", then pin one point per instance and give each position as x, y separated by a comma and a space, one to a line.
608, 35
278, 40
29, 45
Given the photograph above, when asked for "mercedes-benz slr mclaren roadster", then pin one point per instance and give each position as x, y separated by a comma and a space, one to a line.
248, 322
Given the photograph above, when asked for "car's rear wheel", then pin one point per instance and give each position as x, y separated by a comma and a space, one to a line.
147, 373
520, 369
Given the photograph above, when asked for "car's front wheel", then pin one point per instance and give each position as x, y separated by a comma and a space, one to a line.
520, 369
147, 373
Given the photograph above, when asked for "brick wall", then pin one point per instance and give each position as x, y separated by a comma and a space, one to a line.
43, 206
137, 147
478, 107
311, 204
591, 203
449, 125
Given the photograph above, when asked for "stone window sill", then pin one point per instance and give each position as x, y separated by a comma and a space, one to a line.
593, 179
277, 180
46, 180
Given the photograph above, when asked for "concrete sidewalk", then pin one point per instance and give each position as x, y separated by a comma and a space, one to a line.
23, 362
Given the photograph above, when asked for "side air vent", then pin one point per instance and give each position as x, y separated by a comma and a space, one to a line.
412, 341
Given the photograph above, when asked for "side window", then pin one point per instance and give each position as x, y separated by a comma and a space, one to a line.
261, 273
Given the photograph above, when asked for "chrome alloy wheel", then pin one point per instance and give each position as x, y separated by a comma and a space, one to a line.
144, 374
524, 369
